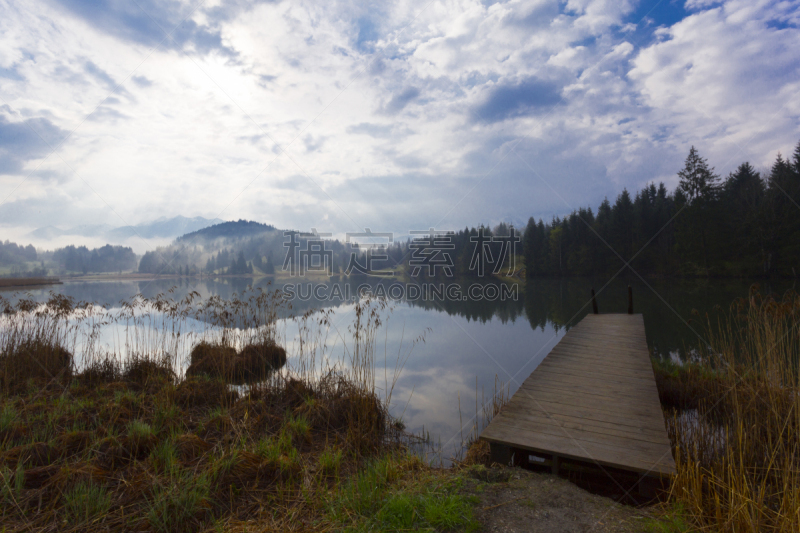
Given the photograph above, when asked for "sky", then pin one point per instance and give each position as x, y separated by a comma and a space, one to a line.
392, 116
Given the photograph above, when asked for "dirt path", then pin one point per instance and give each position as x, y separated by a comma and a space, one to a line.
515, 500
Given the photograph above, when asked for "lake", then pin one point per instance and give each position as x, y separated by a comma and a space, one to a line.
470, 345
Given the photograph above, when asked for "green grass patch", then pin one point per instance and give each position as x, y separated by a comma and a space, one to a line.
140, 430
165, 457
330, 461
86, 501
8, 417
378, 500
179, 504
672, 521
298, 427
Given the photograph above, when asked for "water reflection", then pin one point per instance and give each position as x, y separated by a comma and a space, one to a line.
470, 344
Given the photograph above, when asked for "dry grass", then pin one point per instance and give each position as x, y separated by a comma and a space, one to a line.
474, 450
93, 438
735, 424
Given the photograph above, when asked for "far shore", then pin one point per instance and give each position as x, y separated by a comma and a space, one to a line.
27, 282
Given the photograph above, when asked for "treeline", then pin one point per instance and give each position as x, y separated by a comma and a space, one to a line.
175, 260
746, 224
107, 258
71, 258
471, 252
12, 253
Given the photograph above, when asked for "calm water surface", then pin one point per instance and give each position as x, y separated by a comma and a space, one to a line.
472, 345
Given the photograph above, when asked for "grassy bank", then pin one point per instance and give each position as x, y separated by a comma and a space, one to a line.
102, 442
733, 417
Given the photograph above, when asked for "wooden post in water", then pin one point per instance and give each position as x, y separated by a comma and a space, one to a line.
630, 300
594, 303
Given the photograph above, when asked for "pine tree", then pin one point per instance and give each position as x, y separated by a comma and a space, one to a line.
698, 181
699, 185
529, 248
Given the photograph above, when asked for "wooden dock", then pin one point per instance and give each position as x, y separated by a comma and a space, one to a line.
593, 399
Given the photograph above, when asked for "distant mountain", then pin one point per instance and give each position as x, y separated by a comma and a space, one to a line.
89, 230
227, 230
165, 228
228, 247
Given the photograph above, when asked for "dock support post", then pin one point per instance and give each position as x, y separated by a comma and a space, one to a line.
630, 300
646, 487
499, 453
554, 465
594, 303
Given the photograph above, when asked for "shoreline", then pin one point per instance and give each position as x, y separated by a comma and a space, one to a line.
11, 283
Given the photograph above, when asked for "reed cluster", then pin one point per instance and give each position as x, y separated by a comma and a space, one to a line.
733, 416
192, 415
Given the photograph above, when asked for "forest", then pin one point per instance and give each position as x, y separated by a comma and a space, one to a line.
746, 224
71, 258
15, 254
107, 258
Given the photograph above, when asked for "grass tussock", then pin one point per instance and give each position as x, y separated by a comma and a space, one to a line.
32, 363
104, 442
255, 362
734, 420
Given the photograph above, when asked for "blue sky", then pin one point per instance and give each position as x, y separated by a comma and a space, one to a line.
394, 116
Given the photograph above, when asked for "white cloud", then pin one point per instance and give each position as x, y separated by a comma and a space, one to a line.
725, 80
288, 112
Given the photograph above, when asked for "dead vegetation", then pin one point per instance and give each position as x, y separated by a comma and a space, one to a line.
734, 419
100, 441
252, 363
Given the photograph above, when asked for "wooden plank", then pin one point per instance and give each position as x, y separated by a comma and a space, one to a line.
583, 451
651, 434
577, 423
573, 365
620, 363
575, 378
601, 382
581, 407
639, 448
593, 412
595, 347
559, 390
593, 398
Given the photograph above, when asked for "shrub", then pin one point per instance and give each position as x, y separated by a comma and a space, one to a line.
102, 371
36, 361
255, 362
145, 372
212, 360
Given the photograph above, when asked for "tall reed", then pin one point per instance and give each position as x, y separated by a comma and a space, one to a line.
738, 453
102, 426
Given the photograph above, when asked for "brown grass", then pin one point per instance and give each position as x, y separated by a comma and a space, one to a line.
735, 423
102, 441
255, 362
